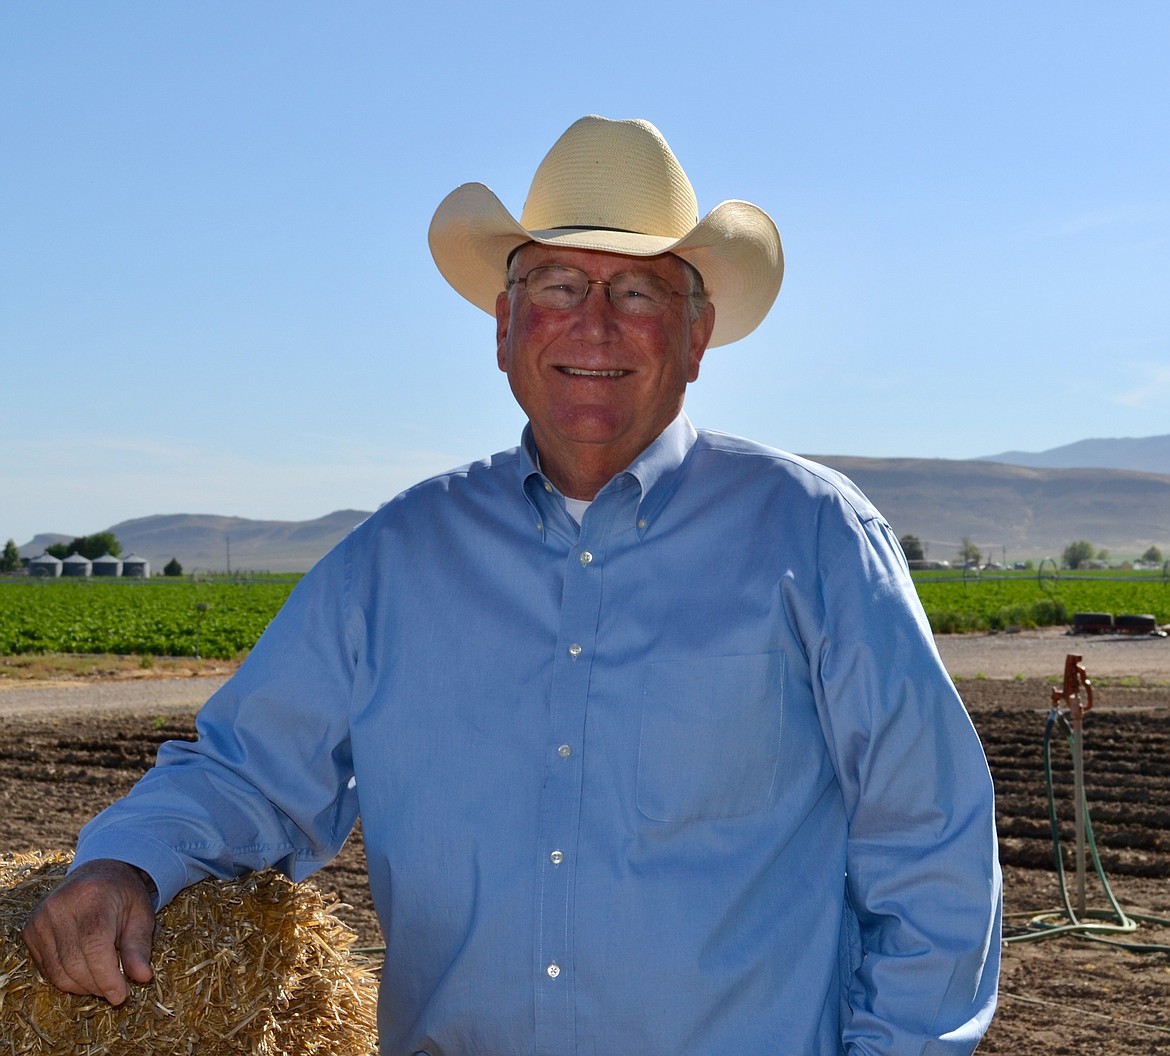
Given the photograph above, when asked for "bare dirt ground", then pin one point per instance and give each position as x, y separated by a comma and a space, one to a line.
70, 745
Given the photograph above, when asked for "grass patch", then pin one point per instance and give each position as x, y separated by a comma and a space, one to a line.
29, 667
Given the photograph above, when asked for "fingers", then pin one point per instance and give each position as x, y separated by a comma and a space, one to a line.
134, 948
96, 923
71, 940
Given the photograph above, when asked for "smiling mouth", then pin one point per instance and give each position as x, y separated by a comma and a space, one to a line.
581, 372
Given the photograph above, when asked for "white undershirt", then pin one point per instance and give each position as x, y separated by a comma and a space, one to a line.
576, 508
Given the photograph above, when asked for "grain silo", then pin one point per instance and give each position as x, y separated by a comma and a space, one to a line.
45, 565
78, 566
107, 565
135, 567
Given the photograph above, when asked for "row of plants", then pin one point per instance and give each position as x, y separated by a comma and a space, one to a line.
224, 618
955, 605
215, 618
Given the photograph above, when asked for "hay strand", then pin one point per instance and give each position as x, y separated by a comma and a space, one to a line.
256, 965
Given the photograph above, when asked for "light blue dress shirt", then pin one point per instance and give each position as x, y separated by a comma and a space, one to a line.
687, 780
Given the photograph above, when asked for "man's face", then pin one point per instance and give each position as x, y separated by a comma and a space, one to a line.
598, 386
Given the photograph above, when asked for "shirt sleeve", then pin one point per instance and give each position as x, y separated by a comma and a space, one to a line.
269, 782
923, 879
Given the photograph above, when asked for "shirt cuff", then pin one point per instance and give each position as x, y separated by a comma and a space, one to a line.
166, 869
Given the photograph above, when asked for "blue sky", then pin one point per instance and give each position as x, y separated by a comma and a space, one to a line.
216, 294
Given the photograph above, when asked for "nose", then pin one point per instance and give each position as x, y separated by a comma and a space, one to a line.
595, 314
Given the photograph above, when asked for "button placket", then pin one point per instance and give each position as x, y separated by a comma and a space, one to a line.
561, 806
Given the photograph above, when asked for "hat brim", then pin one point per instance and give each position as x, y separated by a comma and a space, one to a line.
735, 247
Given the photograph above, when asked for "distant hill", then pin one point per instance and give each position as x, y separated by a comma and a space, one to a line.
1015, 512
1009, 511
1147, 454
205, 542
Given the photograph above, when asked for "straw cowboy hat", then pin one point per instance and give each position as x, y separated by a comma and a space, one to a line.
614, 186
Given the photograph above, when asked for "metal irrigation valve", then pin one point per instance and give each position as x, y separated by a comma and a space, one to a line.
1075, 678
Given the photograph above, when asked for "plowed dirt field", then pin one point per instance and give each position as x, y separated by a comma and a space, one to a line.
1060, 994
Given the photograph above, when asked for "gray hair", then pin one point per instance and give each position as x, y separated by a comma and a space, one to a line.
697, 296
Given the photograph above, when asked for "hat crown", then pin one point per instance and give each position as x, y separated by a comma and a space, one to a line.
614, 187
615, 175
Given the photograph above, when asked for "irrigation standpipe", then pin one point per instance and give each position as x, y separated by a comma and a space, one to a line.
1079, 921
1076, 679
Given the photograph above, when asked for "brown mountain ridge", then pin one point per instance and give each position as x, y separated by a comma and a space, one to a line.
1014, 512
1011, 512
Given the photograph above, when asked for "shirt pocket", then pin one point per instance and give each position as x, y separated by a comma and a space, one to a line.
710, 737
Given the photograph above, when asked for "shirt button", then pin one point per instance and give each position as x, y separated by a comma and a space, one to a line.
556, 857
539, 526
553, 970
586, 557
574, 650
642, 522
548, 487
564, 751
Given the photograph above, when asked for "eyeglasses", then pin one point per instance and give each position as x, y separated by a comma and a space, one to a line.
631, 292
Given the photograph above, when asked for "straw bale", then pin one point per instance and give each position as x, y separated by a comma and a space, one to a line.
255, 965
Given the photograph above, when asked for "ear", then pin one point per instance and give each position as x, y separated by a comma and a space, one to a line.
503, 317
701, 329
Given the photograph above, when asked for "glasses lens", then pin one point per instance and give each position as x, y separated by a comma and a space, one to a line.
632, 293
555, 287
637, 294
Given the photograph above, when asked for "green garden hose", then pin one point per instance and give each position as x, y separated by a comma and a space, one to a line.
1097, 925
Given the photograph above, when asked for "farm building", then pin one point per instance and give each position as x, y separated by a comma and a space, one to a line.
77, 565
135, 567
107, 565
45, 565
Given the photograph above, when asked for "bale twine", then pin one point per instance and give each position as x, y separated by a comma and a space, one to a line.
257, 965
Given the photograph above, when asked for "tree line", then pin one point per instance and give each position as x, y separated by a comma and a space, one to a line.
88, 546
10, 559
1074, 556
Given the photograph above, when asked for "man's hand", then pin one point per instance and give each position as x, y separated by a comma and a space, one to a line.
95, 926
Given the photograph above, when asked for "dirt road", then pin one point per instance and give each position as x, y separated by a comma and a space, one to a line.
1041, 653
143, 696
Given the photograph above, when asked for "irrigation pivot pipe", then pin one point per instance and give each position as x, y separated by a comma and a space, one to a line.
1076, 679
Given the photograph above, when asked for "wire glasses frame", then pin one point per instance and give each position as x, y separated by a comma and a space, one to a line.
632, 293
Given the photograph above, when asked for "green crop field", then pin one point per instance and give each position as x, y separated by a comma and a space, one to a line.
157, 617
955, 604
224, 618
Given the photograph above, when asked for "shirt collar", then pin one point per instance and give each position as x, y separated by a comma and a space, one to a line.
665, 455
656, 465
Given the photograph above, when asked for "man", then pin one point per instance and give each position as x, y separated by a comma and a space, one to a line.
649, 738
